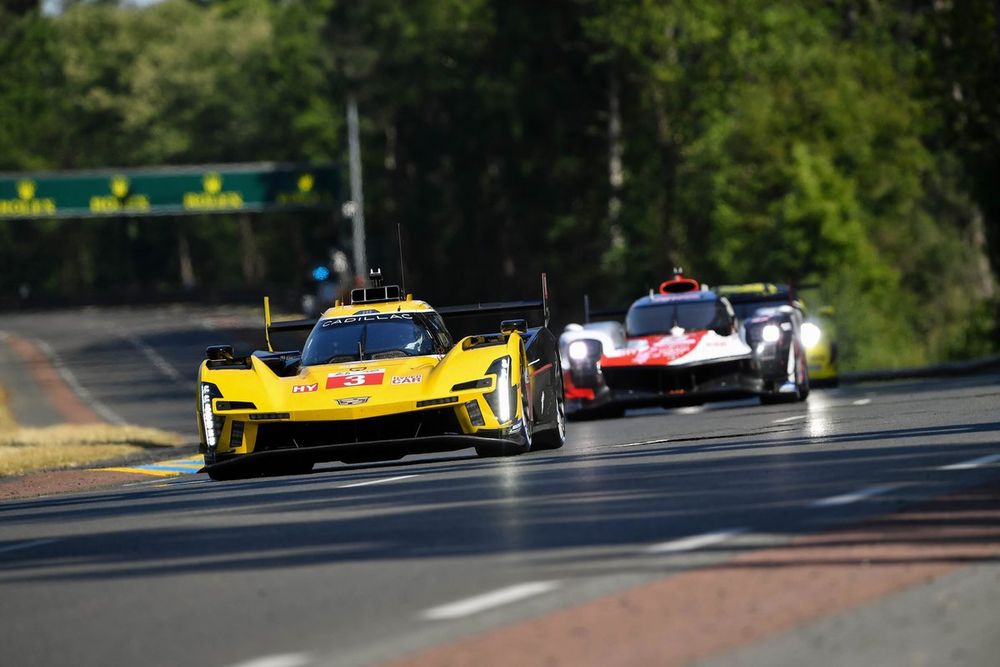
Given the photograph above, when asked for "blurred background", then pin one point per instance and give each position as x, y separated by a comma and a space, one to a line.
851, 145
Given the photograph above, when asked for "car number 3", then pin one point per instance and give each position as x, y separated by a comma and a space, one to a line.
355, 380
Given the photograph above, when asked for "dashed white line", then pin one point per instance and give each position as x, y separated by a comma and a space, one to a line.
481, 603
277, 660
695, 541
26, 545
974, 463
862, 401
155, 358
848, 498
69, 378
790, 419
657, 441
375, 481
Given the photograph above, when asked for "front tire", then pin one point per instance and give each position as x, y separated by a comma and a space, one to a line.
555, 438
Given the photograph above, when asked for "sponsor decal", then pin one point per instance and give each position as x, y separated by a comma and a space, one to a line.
355, 400
27, 204
213, 197
305, 192
657, 350
305, 388
407, 379
334, 321
121, 198
354, 378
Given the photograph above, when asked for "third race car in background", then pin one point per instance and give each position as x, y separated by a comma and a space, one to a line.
683, 345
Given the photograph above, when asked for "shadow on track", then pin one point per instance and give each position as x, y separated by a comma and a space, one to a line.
607, 501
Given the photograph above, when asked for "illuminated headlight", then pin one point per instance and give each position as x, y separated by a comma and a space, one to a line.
810, 334
211, 423
499, 399
770, 333
578, 350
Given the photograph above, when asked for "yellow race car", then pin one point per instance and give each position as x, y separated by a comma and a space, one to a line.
380, 378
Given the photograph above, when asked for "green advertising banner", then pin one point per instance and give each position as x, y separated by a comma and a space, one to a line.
169, 191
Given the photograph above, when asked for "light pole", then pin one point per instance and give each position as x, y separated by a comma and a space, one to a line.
357, 193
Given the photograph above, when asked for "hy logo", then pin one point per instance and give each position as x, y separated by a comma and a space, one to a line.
306, 182
26, 189
119, 186
212, 183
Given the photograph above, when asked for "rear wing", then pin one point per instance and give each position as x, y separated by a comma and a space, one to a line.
469, 318
286, 326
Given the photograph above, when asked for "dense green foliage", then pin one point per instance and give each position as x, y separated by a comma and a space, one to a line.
847, 143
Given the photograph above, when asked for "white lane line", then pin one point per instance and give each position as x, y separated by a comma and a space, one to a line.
497, 598
695, 541
691, 410
790, 419
69, 378
862, 401
374, 481
26, 545
657, 441
278, 660
848, 498
974, 463
155, 358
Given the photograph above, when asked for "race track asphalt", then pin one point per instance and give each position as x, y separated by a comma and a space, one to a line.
355, 565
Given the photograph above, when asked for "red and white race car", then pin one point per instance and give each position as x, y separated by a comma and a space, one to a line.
679, 346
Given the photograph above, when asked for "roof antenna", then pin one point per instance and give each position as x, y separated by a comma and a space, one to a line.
399, 240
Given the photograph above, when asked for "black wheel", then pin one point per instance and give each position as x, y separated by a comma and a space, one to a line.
555, 438
801, 377
801, 385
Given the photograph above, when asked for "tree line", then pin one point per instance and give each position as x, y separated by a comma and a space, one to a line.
849, 144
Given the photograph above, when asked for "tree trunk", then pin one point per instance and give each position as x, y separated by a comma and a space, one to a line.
186, 265
253, 262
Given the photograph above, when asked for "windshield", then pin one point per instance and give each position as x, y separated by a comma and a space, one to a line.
375, 336
745, 311
660, 318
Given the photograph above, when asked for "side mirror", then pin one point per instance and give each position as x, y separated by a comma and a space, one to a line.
507, 327
219, 353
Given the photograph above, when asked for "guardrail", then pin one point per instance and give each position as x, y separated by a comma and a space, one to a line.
950, 369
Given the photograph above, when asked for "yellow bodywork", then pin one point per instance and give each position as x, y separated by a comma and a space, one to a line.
362, 390
822, 357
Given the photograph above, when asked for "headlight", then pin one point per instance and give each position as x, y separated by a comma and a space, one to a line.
810, 334
770, 333
500, 399
211, 423
578, 350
